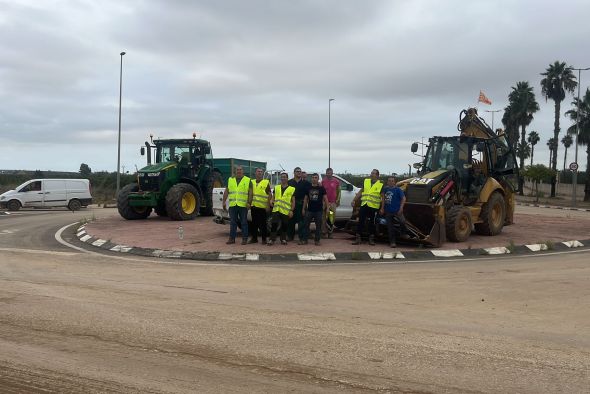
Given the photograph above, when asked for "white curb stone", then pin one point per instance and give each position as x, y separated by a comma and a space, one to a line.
99, 242
497, 250
386, 255
573, 244
315, 256
121, 248
537, 247
81, 233
252, 256
447, 253
85, 238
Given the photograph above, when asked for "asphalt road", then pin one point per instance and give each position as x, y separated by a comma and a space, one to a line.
77, 322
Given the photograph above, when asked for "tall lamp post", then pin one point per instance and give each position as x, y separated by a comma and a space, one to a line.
329, 131
575, 173
119, 140
493, 112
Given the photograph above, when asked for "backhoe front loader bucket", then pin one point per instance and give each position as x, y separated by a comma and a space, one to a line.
425, 224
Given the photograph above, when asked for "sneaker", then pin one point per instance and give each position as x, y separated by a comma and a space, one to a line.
317, 243
283, 242
253, 241
245, 241
231, 241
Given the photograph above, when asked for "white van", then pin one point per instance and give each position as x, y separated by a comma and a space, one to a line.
47, 193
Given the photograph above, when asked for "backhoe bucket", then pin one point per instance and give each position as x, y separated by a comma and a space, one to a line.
424, 224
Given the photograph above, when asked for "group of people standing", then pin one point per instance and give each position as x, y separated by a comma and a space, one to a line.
298, 202
293, 202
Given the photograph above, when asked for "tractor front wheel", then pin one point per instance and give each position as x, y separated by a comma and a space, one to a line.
182, 202
127, 211
458, 224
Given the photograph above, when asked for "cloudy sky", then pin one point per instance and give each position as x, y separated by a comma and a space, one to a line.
254, 77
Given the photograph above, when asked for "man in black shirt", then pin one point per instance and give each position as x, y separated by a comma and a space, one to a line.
314, 204
301, 185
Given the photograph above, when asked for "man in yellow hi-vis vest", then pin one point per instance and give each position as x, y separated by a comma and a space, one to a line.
260, 206
239, 193
283, 204
370, 197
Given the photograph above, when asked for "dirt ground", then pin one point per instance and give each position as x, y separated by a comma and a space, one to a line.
532, 225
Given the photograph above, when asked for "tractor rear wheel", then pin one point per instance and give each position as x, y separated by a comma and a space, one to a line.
182, 202
127, 211
458, 224
493, 215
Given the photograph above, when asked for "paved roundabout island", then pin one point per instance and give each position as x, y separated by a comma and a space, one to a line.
536, 229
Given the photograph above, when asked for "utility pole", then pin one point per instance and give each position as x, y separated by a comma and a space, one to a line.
119, 140
493, 112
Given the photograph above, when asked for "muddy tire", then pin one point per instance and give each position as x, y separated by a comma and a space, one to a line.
493, 215
458, 224
125, 210
13, 205
182, 202
215, 180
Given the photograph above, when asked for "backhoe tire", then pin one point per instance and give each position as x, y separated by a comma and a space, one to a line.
493, 215
214, 180
125, 210
458, 224
182, 202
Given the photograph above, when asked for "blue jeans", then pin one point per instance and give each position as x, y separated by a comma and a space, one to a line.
238, 213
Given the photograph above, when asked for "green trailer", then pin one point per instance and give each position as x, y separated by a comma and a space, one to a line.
226, 167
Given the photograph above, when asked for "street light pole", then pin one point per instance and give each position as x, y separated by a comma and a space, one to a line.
119, 139
575, 173
493, 112
329, 131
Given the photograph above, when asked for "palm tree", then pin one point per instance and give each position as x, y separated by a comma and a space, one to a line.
510, 126
584, 132
559, 79
551, 146
567, 141
521, 105
533, 139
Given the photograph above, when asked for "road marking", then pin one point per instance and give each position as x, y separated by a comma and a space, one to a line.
573, 244
37, 251
8, 232
59, 239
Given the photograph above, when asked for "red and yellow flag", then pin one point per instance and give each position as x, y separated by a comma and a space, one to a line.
484, 99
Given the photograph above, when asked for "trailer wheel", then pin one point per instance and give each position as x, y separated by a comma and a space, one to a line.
493, 215
182, 202
13, 205
458, 224
214, 180
125, 210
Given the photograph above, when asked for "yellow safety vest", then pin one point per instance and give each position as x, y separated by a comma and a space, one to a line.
372, 194
260, 197
283, 201
238, 193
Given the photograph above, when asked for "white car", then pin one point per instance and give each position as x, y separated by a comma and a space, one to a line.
343, 213
47, 193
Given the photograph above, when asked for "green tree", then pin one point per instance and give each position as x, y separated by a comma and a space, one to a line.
567, 141
558, 79
510, 126
85, 171
533, 139
538, 173
522, 104
584, 132
523, 150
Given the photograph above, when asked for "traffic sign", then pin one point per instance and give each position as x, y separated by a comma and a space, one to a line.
574, 166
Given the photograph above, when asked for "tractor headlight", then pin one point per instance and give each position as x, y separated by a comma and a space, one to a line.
153, 173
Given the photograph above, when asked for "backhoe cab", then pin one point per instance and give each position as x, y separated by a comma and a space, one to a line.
178, 183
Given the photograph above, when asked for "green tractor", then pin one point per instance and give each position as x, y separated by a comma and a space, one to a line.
178, 184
